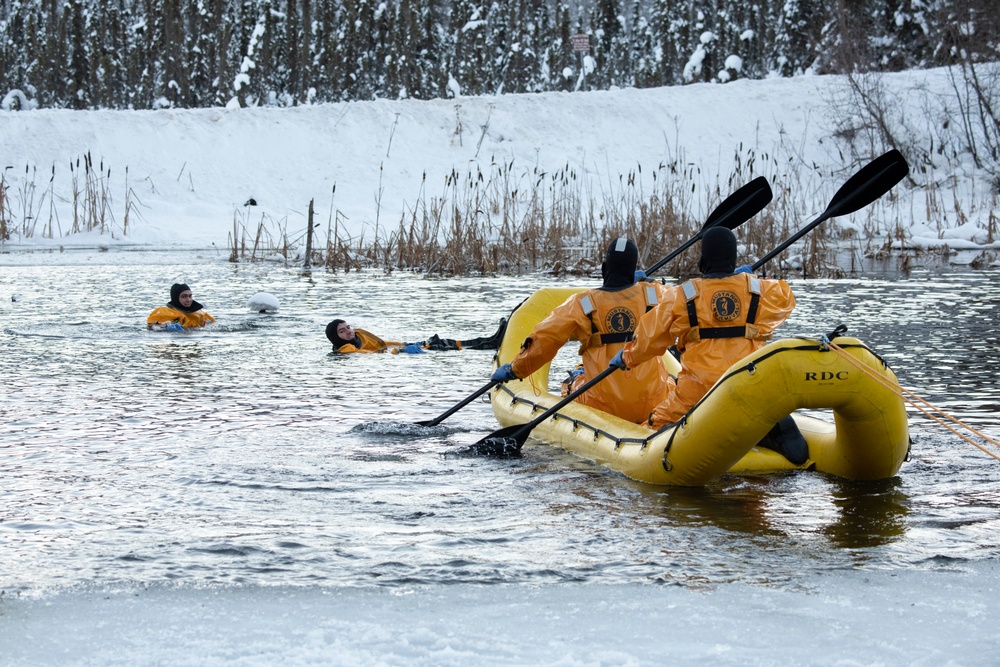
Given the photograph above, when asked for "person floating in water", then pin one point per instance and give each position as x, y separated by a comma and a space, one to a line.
181, 312
346, 339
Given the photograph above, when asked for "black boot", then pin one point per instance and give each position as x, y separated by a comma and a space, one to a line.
487, 343
435, 342
786, 439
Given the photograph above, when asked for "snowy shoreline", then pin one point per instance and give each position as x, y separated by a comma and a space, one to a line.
184, 178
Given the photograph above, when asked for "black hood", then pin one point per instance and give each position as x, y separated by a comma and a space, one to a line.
718, 252
175, 292
338, 342
619, 264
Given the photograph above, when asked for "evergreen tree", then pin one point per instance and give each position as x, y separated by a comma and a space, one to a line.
745, 36
503, 45
562, 60
380, 47
78, 74
670, 26
608, 45
302, 49
271, 56
199, 77
405, 73
358, 50
47, 64
796, 36
642, 60
173, 57
434, 57
541, 38
220, 42
109, 81
326, 60
15, 24
901, 34
470, 58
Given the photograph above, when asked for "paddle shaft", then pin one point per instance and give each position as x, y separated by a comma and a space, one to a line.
461, 404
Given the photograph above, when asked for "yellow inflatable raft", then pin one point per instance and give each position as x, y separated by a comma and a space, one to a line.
867, 440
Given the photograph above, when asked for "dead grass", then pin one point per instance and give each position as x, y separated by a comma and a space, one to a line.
503, 219
28, 210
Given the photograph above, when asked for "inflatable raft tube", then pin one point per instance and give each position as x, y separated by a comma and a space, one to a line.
867, 439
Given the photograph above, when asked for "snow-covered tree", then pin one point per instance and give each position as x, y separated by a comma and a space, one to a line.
471, 64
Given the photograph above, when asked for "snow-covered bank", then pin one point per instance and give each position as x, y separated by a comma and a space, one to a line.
186, 176
843, 618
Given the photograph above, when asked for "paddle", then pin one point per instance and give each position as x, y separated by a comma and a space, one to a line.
461, 404
874, 180
737, 208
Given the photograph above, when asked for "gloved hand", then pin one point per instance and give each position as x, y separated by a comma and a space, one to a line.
746, 268
173, 326
503, 374
617, 361
413, 348
640, 275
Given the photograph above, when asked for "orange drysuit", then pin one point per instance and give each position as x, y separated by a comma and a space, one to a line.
602, 320
369, 343
715, 322
165, 315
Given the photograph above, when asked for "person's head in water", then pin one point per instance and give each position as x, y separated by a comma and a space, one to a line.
618, 268
718, 252
182, 299
340, 333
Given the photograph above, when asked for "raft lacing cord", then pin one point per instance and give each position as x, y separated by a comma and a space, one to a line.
899, 389
577, 423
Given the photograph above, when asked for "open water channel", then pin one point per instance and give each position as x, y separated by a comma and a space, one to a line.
247, 454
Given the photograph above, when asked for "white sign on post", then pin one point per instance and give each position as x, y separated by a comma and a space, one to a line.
581, 42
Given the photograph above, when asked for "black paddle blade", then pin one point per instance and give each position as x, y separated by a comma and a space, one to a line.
498, 448
740, 206
871, 182
503, 443
874, 180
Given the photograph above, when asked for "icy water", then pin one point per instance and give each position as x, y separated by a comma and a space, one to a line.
249, 454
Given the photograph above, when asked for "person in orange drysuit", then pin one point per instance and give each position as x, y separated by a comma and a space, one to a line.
347, 339
715, 321
181, 312
603, 320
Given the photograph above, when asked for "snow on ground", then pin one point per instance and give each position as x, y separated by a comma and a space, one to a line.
190, 174
840, 618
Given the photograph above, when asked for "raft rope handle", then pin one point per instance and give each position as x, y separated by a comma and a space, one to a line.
899, 389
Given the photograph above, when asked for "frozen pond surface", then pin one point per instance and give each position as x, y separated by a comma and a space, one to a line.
239, 495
